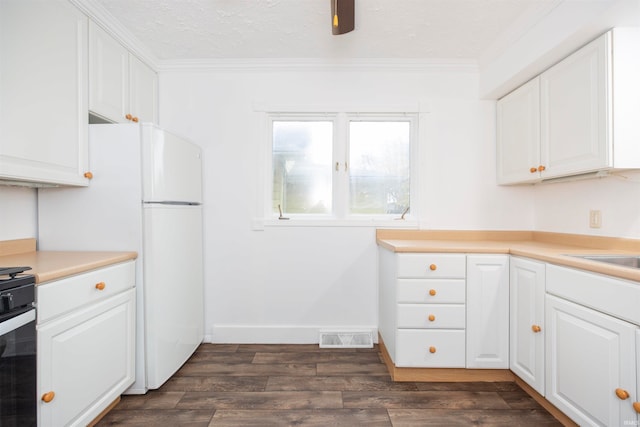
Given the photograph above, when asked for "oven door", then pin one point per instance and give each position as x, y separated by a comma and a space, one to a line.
18, 370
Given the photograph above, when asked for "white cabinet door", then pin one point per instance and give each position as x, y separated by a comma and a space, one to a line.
526, 296
589, 356
636, 401
108, 76
43, 82
575, 105
143, 97
518, 135
488, 311
87, 360
122, 88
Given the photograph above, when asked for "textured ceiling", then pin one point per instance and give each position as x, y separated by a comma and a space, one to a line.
239, 29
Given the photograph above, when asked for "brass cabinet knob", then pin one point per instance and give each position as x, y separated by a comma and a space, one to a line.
48, 396
541, 168
533, 170
636, 406
432, 350
432, 318
100, 286
433, 267
135, 120
88, 175
128, 117
622, 394
432, 292
536, 328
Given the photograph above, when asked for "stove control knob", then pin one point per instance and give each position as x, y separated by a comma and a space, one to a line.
7, 302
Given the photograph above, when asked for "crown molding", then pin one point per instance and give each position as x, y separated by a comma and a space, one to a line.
97, 13
319, 64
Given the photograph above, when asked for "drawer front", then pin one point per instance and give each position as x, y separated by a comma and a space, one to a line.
61, 296
425, 265
617, 297
429, 316
413, 348
430, 291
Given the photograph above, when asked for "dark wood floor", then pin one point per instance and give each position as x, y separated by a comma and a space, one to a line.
303, 385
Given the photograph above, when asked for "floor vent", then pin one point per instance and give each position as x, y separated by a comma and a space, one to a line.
346, 339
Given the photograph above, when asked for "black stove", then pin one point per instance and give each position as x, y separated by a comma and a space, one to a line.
17, 348
17, 291
12, 272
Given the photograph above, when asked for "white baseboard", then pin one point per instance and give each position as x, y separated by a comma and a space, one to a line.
276, 334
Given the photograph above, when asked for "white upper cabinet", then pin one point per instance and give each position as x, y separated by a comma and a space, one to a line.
574, 108
518, 139
143, 91
578, 117
109, 75
43, 92
121, 87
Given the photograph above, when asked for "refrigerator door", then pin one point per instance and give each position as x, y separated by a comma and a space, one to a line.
106, 215
171, 167
173, 288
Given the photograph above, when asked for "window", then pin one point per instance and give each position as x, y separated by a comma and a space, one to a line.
341, 165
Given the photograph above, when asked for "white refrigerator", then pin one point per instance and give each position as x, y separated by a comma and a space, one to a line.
145, 196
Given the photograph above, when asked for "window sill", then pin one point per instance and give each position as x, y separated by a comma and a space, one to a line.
260, 223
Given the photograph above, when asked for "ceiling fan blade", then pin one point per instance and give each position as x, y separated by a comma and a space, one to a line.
344, 16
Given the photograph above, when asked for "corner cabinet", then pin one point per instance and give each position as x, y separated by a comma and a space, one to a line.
122, 88
86, 344
526, 324
568, 120
43, 87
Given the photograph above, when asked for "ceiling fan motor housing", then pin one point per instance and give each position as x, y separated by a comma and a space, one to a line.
345, 16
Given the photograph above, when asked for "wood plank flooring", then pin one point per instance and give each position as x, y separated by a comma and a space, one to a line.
303, 385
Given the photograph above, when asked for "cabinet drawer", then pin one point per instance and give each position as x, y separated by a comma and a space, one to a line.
413, 348
616, 297
62, 296
430, 291
425, 265
430, 316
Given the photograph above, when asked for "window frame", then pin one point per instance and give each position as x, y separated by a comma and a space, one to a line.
339, 215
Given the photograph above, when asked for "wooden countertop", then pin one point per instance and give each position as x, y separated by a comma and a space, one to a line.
553, 248
53, 265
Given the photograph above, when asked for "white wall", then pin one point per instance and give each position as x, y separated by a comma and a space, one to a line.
284, 283
18, 213
564, 207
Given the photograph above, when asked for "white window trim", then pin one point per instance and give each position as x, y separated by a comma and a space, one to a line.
265, 218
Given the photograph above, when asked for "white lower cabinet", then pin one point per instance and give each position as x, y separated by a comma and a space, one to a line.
422, 308
636, 400
590, 355
445, 310
86, 354
527, 329
487, 312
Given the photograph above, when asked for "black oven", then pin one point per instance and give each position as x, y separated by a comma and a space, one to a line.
17, 348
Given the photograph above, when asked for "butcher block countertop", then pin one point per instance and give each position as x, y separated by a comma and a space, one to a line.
548, 247
53, 265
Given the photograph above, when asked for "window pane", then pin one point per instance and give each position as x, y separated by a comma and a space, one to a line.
379, 162
302, 166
